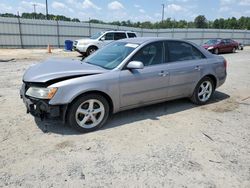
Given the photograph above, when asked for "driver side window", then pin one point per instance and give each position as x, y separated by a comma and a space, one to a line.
109, 36
150, 54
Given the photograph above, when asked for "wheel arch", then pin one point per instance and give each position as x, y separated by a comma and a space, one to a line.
213, 78
92, 46
105, 95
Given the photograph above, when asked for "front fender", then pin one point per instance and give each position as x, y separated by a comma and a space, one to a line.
70, 89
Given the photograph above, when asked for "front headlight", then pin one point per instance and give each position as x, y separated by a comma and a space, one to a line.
41, 93
210, 48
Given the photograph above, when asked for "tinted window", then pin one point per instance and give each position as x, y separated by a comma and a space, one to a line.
120, 36
109, 36
229, 41
213, 41
131, 35
150, 54
223, 41
181, 51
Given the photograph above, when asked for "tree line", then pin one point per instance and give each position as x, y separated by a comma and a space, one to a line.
199, 22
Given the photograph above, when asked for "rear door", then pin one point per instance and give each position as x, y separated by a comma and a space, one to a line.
140, 86
184, 65
119, 35
224, 46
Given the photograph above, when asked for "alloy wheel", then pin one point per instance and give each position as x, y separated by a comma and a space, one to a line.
205, 91
90, 113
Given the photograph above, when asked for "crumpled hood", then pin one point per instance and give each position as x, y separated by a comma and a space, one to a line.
59, 68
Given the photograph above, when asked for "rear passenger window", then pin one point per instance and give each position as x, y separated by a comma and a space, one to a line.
181, 51
131, 35
120, 36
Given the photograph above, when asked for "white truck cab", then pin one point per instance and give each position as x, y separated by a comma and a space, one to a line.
89, 45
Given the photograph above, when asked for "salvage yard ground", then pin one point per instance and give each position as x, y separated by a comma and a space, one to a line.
173, 144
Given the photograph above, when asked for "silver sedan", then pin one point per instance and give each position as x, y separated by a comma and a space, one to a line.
123, 75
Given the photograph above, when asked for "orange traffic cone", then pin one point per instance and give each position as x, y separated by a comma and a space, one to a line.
49, 49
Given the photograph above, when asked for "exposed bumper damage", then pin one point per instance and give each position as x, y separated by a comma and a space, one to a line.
41, 107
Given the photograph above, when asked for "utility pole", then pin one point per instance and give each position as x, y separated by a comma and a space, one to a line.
47, 17
34, 5
163, 7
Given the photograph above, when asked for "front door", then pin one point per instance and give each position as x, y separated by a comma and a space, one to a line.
140, 86
108, 38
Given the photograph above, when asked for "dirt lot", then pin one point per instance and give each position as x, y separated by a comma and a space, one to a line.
173, 144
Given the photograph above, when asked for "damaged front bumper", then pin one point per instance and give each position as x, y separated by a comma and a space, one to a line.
41, 107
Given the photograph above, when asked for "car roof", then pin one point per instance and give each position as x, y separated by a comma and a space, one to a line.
141, 40
118, 31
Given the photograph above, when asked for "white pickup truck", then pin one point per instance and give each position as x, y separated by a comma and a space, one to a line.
89, 45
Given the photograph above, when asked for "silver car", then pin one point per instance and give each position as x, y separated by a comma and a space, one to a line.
125, 74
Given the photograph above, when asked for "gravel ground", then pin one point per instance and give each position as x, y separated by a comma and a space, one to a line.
173, 144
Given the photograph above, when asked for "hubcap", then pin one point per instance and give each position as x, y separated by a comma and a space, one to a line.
91, 51
205, 91
90, 113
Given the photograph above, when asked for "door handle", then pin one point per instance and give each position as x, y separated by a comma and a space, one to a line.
163, 74
198, 68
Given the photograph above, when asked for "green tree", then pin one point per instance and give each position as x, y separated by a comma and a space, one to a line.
200, 21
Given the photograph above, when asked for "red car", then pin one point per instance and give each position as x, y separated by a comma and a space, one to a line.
217, 46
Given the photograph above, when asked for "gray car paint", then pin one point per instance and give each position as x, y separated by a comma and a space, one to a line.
58, 68
129, 88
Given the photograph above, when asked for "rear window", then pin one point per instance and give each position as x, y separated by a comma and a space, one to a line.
181, 51
119, 36
131, 35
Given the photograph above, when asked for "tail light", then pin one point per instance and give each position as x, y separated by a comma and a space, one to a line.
225, 64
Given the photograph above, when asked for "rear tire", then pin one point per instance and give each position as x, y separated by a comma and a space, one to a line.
203, 91
88, 113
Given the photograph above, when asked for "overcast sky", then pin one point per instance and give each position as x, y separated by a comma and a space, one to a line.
134, 10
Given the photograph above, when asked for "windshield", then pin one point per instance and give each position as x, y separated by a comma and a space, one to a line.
96, 36
212, 42
111, 55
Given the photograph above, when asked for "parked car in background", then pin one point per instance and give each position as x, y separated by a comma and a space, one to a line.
217, 46
98, 40
125, 74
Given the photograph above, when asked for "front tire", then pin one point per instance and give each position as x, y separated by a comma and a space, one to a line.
203, 91
88, 113
91, 50
234, 50
216, 51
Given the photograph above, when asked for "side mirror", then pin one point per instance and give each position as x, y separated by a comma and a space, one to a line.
135, 65
102, 39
